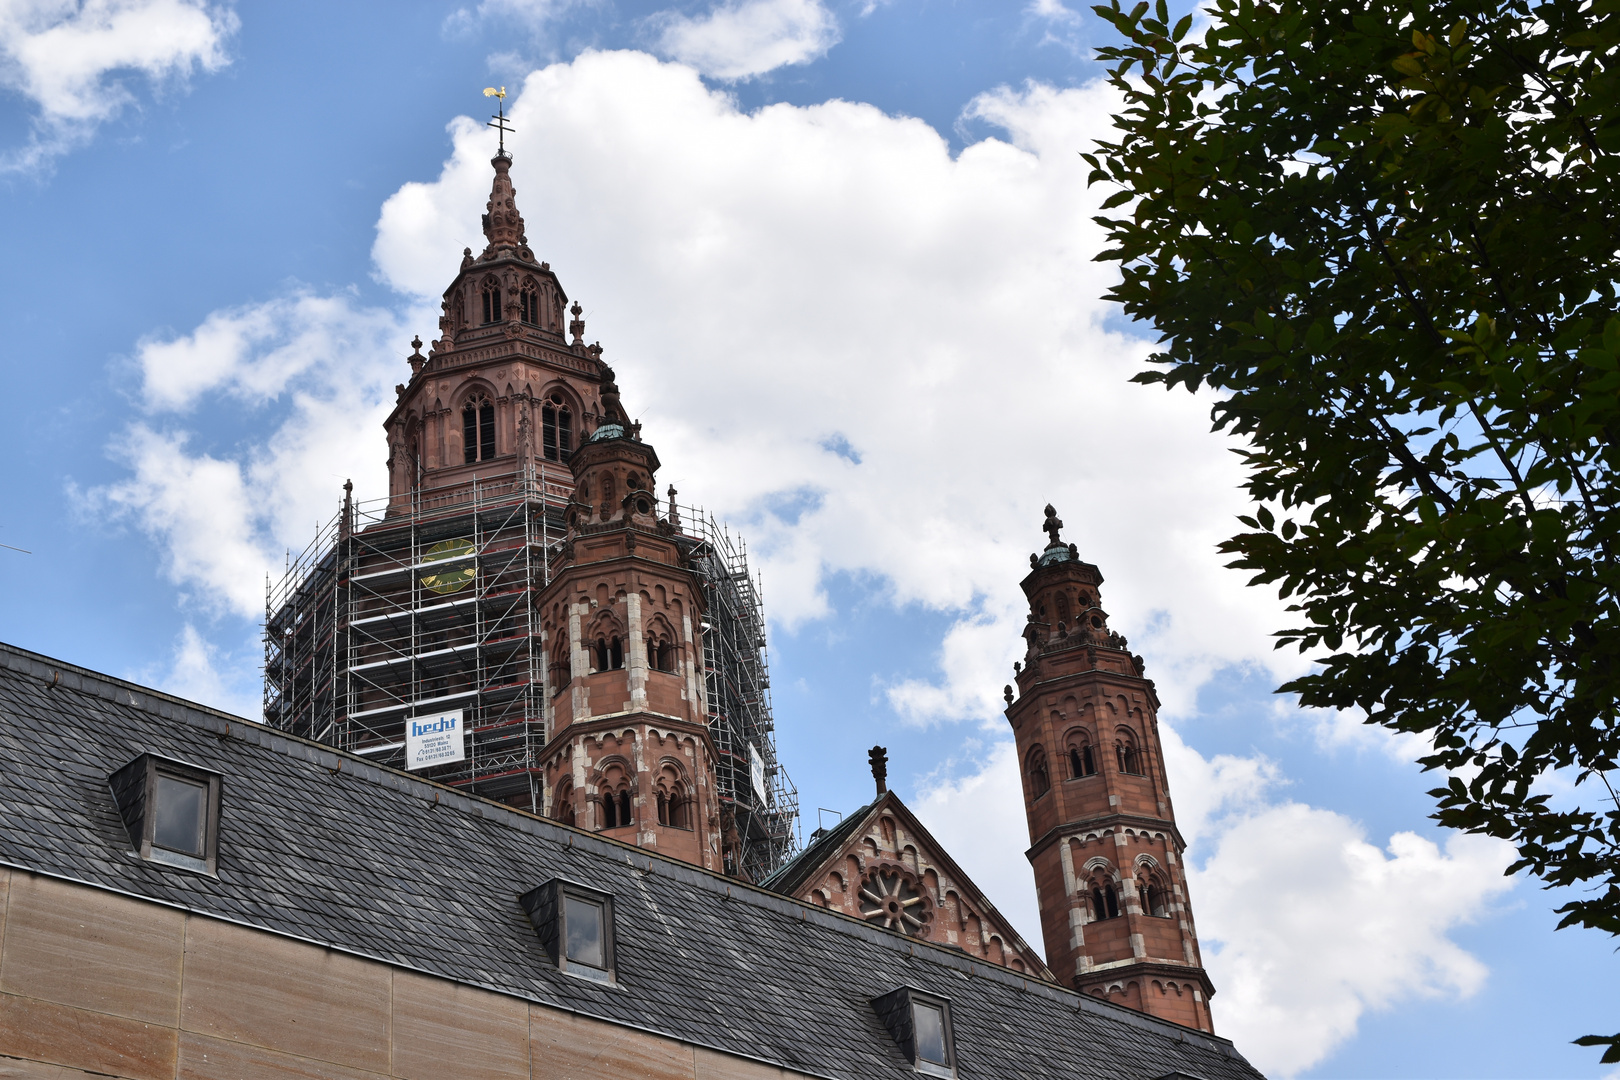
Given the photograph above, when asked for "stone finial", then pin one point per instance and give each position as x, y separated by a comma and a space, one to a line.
878, 758
576, 328
503, 225
674, 511
1006, 692
1052, 525
416, 358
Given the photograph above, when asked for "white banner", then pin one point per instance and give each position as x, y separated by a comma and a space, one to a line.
756, 771
434, 740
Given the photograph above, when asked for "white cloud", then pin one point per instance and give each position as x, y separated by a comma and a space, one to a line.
743, 38
194, 673
1305, 926
223, 520
254, 353
66, 55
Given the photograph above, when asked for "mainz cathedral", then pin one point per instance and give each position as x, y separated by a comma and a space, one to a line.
606, 648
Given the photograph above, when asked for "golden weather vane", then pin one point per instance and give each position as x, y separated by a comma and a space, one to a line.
498, 122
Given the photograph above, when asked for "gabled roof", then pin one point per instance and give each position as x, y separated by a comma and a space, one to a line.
324, 846
829, 850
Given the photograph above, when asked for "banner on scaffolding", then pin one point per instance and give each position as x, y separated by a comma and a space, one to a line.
756, 771
435, 740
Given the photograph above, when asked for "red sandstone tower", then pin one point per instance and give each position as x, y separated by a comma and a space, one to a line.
630, 751
1103, 838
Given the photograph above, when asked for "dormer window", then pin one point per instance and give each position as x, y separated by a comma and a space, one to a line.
575, 924
478, 430
920, 1024
171, 811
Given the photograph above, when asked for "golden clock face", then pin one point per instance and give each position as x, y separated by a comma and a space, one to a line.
453, 579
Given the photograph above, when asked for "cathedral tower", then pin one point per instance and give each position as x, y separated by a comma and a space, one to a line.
520, 617
1107, 855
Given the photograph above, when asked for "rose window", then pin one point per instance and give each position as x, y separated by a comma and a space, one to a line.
892, 899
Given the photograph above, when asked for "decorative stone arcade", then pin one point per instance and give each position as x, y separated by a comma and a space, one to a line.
1104, 842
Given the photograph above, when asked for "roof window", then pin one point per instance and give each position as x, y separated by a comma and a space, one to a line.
170, 810
575, 924
920, 1024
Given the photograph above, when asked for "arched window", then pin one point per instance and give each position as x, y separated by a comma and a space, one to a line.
478, 430
1104, 901
673, 801
1082, 759
559, 672
1035, 768
1130, 759
616, 809
556, 429
672, 809
492, 301
1154, 898
563, 808
663, 654
529, 304
607, 654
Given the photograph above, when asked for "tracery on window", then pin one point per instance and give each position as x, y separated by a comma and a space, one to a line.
491, 294
674, 802
478, 430
562, 807
529, 303
1125, 749
891, 897
616, 808
1153, 895
1035, 768
560, 670
607, 654
556, 429
1082, 758
1104, 898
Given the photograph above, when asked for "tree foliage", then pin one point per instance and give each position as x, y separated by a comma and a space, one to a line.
1387, 234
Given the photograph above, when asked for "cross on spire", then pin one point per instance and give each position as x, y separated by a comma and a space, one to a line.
498, 121
1053, 524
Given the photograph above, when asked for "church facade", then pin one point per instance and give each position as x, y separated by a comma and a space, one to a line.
515, 807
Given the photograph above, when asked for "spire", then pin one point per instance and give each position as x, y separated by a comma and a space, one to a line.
503, 225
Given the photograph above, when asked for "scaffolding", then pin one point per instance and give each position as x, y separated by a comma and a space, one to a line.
395, 612
754, 788
398, 612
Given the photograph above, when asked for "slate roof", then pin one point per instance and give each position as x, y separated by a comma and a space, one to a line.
323, 846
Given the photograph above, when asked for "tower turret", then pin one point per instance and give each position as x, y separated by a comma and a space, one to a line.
1103, 839
630, 750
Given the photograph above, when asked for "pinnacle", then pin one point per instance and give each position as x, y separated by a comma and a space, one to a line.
503, 225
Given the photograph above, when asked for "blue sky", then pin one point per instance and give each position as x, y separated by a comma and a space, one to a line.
840, 256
